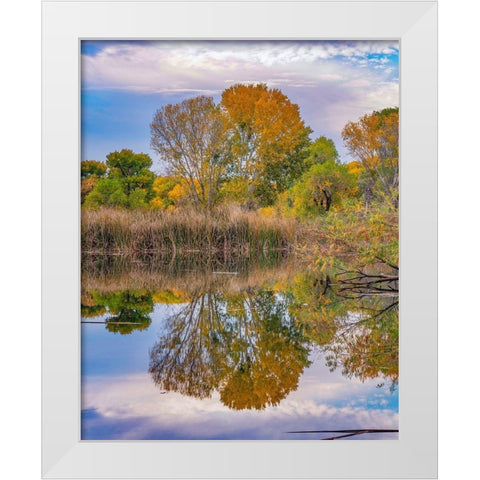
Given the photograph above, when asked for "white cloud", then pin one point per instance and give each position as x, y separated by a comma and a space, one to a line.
332, 82
164, 67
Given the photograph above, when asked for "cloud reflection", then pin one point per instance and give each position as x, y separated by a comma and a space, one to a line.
131, 407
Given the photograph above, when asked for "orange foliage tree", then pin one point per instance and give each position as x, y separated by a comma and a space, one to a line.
268, 139
373, 140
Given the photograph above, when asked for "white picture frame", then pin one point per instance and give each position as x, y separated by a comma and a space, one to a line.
65, 23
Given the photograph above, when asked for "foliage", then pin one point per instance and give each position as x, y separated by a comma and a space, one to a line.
320, 151
191, 138
354, 318
373, 140
128, 182
268, 140
127, 310
90, 171
323, 186
236, 190
162, 188
89, 168
169, 297
367, 236
86, 186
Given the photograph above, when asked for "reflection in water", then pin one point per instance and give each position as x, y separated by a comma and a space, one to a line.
245, 333
244, 344
354, 319
129, 310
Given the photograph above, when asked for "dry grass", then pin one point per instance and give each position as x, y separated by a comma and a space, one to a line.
225, 230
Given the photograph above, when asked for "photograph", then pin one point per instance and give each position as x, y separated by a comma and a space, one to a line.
239, 239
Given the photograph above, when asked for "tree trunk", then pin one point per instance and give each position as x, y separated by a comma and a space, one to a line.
328, 199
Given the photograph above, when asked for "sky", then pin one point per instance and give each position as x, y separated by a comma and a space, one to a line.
125, 82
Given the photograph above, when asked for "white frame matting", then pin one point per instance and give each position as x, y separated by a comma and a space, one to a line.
414, 23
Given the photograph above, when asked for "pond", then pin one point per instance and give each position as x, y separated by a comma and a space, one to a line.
214, 348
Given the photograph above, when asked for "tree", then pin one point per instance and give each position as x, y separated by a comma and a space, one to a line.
268, 350
191, 138
89, 168
162, 187
323, 185
128, 182
373, 140
90, 171
320, 151
268, 140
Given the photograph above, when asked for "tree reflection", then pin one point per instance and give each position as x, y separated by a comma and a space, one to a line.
268, 351
243, 344
250, 340
354, 319
190, 356
366, 346
128, 310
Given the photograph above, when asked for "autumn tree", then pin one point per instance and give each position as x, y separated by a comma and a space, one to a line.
128, 182
367, 347
92, 167
373, 140
90, 172
268, 140
191, 139
162, 188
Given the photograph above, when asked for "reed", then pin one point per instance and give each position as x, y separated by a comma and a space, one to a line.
228, 229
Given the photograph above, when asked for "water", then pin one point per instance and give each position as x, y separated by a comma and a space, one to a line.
234, 349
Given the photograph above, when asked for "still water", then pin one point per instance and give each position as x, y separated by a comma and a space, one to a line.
235, 349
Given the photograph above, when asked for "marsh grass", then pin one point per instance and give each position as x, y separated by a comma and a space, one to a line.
183, 231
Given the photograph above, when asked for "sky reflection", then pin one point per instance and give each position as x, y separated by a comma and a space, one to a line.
120, 400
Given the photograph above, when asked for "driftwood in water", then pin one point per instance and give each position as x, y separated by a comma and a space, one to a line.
347, 433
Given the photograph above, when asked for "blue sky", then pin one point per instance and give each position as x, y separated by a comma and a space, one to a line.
124, 83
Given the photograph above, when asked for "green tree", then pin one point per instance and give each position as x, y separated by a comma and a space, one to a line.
128, 183
320, 151
126, 310
325, 184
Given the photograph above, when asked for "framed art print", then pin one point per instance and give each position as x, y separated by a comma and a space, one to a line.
239, 239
